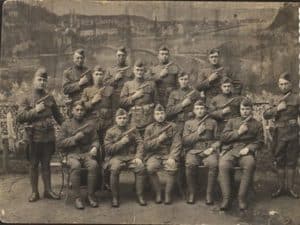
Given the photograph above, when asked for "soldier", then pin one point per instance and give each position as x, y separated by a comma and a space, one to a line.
37, 111
98, 101
162, 145
165, 75
76, 78
139, 96
209, 79
118, 75
79, 139
286, 146
124, 149
225, 105
199, 141
181, 101
242, 137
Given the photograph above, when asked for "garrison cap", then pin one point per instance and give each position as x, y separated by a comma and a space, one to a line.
200, 102
213, 51
79, 51
163, 48
247, 102
139, 63
78, 102
98, 68
159, 108
285, 76
121, 112
226, 80
122, 49
41, 72
182, 74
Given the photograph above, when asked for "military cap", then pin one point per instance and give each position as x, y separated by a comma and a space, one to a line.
213, 51
285, 76
159, 107
121, 112
122, 49
182, 74
163, 48
139, 63
41, 72
79, 51
200, 102
78, 102
99, 68
226, 80
247, 102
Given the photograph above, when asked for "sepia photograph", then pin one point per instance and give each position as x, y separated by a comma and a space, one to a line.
149, 112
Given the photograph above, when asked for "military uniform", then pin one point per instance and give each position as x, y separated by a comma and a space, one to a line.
286, 140
212, 88
40, 135
141, 109
121, 156
195, 144
158, 153
118, 84
78, 152
166, 84
233, 142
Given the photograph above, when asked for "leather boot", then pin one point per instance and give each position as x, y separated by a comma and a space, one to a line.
34, 178
48, 193
211, 180
156, 186
225, 183
190, 182
139, 182
114, 185
290, 183
169, 188
281, 183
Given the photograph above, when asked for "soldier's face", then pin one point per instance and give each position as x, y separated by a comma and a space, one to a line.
121, 120
78, 112
98, 77
200, 111
40, 83
245, 111
78, 59
121, 57
284, 85
214, 58
226, 88
163, 56
159, 116
183, 81
139, 72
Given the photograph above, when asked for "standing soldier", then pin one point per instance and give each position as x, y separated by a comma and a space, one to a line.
242, 137
209, 79
79, 139
180, 103
165, 75
38, 111
124, 149
199, 141
76, 78
226, 105
286, 136
162, 144
118, 75
139, 96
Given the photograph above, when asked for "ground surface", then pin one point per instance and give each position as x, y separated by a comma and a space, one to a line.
14, 207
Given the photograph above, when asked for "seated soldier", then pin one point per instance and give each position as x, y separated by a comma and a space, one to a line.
241, 138
79, 139
124, 149
162, 145
199, 139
